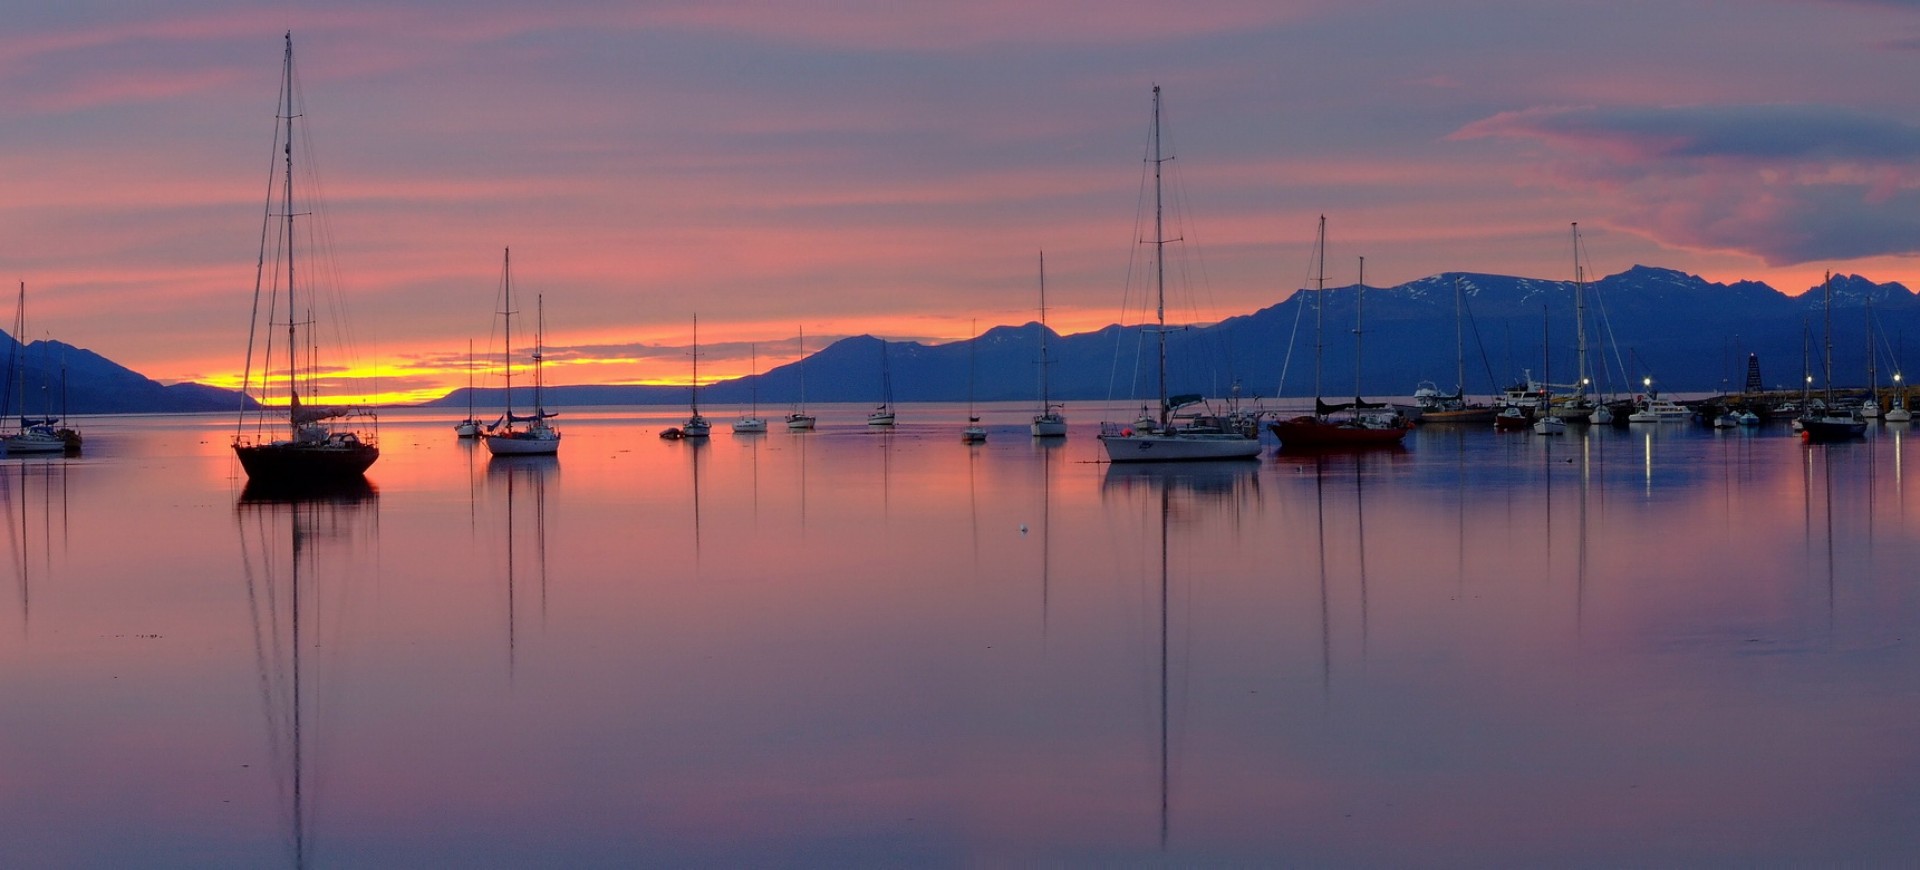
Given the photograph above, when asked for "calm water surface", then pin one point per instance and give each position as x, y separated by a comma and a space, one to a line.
1662, 645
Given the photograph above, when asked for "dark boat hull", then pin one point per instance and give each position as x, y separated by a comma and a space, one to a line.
1817, 429
294, 463
1313, 433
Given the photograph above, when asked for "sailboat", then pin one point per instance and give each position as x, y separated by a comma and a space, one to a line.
1437, 407
1577, 407
696, 425
1545, 423
798, 420
974, 433
1340, 426
470, 427
312, 451
1830, 424
538, 438
36, 435
1160, 438
883, 416
1870, 407
752, 423
1049, 423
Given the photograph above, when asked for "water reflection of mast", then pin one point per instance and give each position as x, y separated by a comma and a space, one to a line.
1165, 511
1326, 619
279, 641
534, 469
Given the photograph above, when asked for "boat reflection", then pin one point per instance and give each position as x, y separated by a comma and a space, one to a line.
30, 492
298, 555
1210, 479
522, 481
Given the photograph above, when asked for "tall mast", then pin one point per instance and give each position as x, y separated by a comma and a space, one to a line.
1459, 343
695, 402
506, 313
1159, 260
293, 389
1826, 285
1358, 292
1046, 403
1579, 312
803, 368
1319, 302
539, 333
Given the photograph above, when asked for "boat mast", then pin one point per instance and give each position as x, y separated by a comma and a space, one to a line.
1459, 344
506, 313
539, 333
1826, 287
1159, 261
1046, 402
1579, 313
1358, 291
1319, 303
803, 368
695, 401
293, 387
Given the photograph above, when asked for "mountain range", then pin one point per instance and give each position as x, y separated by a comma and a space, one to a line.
1680, 331
1677, 331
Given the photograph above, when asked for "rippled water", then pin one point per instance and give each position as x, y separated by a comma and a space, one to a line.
1659, 645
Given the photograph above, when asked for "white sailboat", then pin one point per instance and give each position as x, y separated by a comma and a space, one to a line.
537, 438
974, 433
1160, 439
752, 423
1049, 423
883, 416
35, 435
798, 420
470, 427
313, 451
696, 425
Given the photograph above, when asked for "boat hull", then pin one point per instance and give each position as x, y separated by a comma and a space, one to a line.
1049, 426
34, 445
1179, 447
281, 463
1463, 415
881, 420
1832, 428
521, 444
467, 429
800, 422
1311, 433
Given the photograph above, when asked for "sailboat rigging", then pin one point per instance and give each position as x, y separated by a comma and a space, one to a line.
537, 438
1342, 426
1831, 424
752, 423
470, 427
1161, 438
36, 435
312, 451
883, 416
696, 425
974, 433
1050, 422
798, 420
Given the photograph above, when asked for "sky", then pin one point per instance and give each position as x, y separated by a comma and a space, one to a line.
897, 168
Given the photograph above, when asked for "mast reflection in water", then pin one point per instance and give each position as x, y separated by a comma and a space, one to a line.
296, 554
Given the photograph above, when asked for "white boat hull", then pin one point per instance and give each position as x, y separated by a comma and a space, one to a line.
467, 429
881, 420
800, 422
519, 444
1049, 426
1179, 447
749, 425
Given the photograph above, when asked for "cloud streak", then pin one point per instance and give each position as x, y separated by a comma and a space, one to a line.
1790, 184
